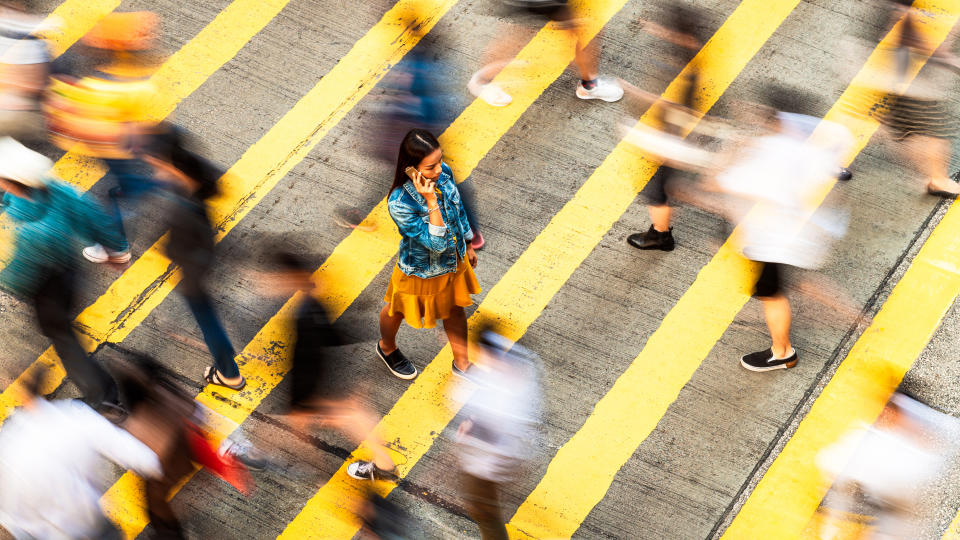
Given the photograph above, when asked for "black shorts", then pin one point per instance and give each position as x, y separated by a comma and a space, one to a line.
769, 283
555, 10
655, 192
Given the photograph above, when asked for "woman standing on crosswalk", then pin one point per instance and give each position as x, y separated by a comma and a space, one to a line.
433, 278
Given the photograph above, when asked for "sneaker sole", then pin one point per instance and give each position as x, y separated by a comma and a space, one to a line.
769, 368
396, 373
608, 100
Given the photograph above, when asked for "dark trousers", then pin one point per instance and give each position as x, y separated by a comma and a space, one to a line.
483, 503
52, 303
213, 333
133, 183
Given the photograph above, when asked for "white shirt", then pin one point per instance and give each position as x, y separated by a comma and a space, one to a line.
785, 173
49, 458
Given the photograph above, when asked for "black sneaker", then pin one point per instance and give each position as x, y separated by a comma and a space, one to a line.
397, 363
368, 470
765, 361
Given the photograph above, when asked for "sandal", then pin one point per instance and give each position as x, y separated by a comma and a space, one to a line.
212, 376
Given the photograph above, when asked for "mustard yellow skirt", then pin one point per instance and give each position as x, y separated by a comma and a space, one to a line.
425, 301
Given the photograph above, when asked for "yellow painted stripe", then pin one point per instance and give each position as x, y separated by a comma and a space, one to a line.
178, 77
74, 18
953, 531
582, 470
792, 488
143, 286
788, 494
524, 291
263, 361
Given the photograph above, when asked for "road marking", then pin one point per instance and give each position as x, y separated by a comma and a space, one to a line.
178, 77
73, 19
263, 360
790, 491
528, 286
131, 298
581, 472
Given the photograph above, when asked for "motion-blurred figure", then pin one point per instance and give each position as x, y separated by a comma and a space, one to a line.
586, 55
170, 422
500, 417
51, 454
318, 394
192, 180
24, 68
683, 33
882, 470
785, 171
917, 116
53, 220
107, 113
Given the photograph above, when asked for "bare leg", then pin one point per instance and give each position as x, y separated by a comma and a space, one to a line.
389, 326
359, 423
456, 328
776, 309
660, 216
931, 156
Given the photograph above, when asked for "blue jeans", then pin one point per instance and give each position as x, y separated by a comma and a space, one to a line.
213, 333
133, 183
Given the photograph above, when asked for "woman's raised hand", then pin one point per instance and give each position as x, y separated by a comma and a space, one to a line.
423, 185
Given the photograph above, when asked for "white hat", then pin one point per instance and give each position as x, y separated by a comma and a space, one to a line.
23, 165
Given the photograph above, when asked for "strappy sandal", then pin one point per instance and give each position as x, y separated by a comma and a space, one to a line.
212, 376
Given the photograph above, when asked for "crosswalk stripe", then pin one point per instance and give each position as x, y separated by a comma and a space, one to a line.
791, 489
150, 279
524, 291
178, 77
581, 472
262, 360
73, 19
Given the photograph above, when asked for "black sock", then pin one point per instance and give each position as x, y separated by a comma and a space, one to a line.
588, 85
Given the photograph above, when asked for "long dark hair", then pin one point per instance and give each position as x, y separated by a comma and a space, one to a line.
417, 144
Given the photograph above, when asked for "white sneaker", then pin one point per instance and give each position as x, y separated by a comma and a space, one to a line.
491, 93
607, 89
99, 254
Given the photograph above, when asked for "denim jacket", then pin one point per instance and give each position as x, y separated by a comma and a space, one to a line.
426, 250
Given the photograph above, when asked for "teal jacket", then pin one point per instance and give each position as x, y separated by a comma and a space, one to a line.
52, 227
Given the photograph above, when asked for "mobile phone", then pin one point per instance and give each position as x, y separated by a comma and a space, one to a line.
411, 172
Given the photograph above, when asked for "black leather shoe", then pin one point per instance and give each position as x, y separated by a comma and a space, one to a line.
844, 174
652, 239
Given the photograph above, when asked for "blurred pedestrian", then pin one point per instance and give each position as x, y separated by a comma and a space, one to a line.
684, 33
24, 70
916, 114
191, 242
586, 53
433, 278
107, 113
51, 459
864, 481
318, 394
785, 173
168, 421
499, 420
53, 220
